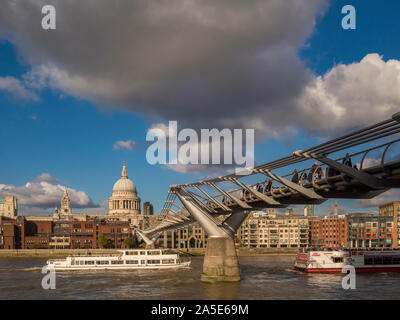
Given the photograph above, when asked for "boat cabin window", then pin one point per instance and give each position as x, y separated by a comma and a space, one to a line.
153, 253
89, 262
142, 253
131, 262
337, 259
153, 262
102, 262
369, 260
168, 261
131, 253
142, 261
117, 262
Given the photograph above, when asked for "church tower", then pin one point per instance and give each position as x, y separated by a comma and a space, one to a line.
65, 204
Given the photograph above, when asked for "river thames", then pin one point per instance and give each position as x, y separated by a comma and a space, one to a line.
263, 277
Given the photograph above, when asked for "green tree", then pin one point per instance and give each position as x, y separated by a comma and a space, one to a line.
130, 242
102, 241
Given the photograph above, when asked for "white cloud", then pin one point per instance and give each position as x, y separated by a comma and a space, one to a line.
374, 203
46, 177
351, 95
128, 145
17, 89
368, 163
45, 195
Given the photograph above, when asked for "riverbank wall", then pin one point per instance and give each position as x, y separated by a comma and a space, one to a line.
62, 253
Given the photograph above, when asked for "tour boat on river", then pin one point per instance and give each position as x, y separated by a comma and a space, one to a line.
125, 260
333, 261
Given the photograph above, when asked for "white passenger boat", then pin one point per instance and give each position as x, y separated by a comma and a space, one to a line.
126, 259
334, 261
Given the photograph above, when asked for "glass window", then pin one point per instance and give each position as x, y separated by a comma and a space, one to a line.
153, 261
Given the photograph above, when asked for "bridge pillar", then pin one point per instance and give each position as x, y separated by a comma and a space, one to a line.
220, 261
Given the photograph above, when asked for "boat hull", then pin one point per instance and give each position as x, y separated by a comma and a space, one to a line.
337, 261
358, 270
100, 268
127, 259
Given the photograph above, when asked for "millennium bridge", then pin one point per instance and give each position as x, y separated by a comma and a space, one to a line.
359, 165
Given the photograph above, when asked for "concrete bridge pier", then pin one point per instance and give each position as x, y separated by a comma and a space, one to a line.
220, 260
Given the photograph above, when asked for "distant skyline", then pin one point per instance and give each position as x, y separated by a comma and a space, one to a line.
77, 101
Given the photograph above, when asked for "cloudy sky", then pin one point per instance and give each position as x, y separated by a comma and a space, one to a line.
78, 100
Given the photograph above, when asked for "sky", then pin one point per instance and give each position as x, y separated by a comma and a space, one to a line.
77, 101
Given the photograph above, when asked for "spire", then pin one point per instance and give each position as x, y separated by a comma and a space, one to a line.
65, 203
124, 172
336, 211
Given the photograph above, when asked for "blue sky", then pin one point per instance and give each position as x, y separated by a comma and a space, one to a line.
71, 135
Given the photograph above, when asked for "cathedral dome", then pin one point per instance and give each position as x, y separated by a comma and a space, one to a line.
124, 200
124, 184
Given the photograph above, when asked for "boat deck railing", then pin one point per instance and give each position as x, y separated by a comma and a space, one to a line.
95, 255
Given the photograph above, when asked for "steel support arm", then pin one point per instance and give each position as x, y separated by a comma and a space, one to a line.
219, 204
144, 237
204, 219
235, 220
239, 202
309, 193
259, 195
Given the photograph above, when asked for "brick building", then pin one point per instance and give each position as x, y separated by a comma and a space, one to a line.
329, 231
115, 233
392, 210
46, 234
37, 234
10, 233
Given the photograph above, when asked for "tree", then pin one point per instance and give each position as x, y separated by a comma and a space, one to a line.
130, 242
102, 241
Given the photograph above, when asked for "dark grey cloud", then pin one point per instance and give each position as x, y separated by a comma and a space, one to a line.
227, 63
208, 64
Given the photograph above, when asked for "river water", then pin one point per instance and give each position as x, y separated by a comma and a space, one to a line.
263, 277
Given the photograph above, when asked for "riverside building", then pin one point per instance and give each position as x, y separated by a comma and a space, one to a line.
191, 237
370, 231
66, 229
266, 229
329, 231
392, 210
8, 207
